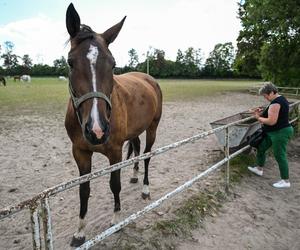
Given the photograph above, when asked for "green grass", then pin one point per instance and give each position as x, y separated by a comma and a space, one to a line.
45, 94
190, 215
192, 89
238, 167
42, 94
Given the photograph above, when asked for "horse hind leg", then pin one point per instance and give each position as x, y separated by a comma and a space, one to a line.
150, 139
134, 145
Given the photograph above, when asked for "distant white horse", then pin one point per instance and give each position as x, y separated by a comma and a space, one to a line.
25, 78
62, 78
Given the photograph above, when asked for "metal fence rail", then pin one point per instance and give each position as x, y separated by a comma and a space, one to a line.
39, 204
289, 91
157, 203
79, 180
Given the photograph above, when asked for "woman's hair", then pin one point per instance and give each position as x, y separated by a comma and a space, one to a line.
268, 88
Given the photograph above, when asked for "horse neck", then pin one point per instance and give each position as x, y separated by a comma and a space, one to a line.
119, 94
116, 89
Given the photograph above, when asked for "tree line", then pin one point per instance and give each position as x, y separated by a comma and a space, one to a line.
188, 63
22, 65
268, 47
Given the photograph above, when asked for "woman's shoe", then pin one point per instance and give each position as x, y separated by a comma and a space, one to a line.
256, 171
282, 184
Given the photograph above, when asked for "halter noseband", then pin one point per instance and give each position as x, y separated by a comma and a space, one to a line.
78, 100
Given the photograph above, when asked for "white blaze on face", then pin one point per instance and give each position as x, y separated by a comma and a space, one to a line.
92, 56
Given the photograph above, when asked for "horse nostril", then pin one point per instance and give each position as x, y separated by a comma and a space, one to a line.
88, 128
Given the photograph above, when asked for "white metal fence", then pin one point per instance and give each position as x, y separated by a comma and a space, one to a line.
289, 91
40, 208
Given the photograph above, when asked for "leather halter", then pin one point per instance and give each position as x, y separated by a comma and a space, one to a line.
78, 100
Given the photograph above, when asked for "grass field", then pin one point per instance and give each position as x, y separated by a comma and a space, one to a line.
192, 89
51, 94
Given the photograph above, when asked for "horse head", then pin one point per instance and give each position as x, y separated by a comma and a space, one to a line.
91, 76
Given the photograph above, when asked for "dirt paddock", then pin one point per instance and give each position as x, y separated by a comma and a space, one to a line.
36, 154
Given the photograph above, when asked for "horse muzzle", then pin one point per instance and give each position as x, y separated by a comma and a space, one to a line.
96, 135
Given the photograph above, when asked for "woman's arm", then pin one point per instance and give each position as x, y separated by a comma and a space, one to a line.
273, 113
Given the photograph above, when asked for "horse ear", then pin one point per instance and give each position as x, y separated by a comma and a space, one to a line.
72, 21
111, 34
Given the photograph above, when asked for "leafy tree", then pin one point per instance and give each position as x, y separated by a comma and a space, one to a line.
280, 63
26, 66
180, 56
220, 60
43, 70
192, 61
157, 63
188, 63
27, 61
61, 66
10, 59
269, 44
133, 58
179, 66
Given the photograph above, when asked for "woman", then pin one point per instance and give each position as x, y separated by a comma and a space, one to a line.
275, 123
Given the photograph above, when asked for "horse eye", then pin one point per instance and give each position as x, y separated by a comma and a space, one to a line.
70, 62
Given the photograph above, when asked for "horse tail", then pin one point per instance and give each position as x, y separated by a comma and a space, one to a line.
133, 145
129, 145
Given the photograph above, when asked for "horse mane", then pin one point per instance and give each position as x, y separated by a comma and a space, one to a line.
85, 32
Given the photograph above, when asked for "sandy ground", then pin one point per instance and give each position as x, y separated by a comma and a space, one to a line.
35, 153
258, 216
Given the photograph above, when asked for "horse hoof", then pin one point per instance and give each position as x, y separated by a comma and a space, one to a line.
76, 242
134, 180
146, 196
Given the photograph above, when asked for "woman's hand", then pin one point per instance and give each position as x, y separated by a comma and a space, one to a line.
257, 112
257, 115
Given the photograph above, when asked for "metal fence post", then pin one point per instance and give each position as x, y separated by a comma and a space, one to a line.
46, 215
35, 226
227, 171
298, 122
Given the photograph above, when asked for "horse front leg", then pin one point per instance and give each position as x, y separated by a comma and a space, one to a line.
83, 160
115, 184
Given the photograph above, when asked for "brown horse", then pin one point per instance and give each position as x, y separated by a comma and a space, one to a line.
2, 79
106, 110
17, 78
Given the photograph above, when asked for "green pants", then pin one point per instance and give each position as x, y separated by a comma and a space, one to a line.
278, 140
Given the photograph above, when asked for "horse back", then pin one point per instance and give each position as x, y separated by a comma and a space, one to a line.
140, 97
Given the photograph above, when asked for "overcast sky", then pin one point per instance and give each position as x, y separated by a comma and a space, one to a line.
37, 27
